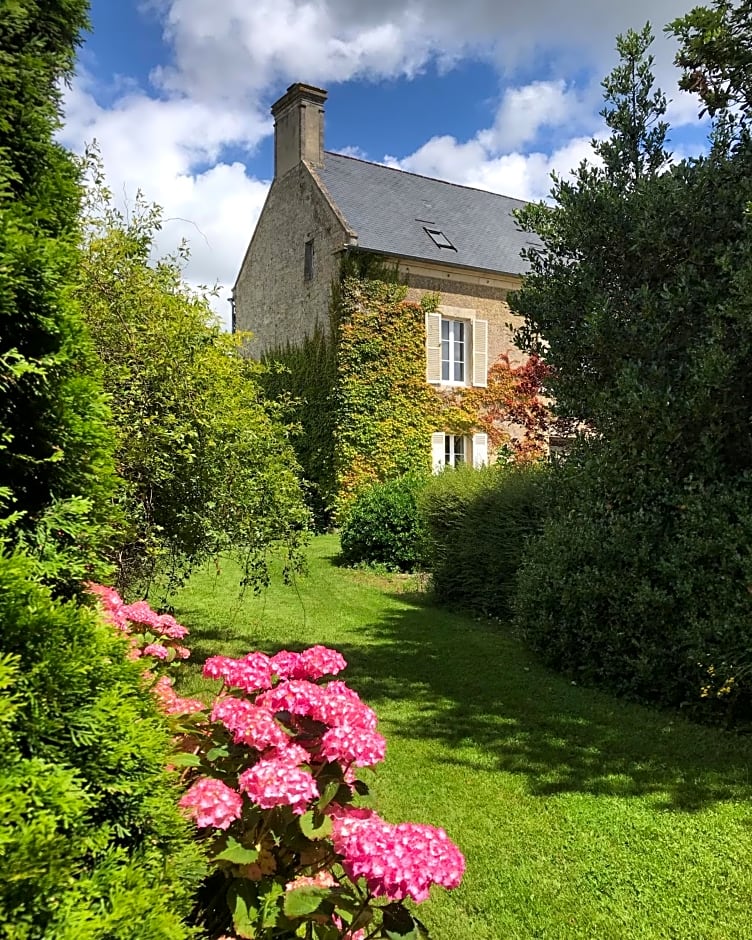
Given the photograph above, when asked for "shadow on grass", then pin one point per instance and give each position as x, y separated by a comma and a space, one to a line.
484, 697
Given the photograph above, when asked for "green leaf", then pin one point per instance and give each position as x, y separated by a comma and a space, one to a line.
185, 760
398, 924
302, 901
242, 904
216, 752
328, 795
236, 853
361, 788
269, 907
315, 826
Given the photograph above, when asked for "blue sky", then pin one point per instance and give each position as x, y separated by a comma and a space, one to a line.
483, 92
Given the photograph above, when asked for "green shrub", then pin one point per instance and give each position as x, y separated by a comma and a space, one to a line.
205, 460
648, 596
382, 525
91, 840
477, 523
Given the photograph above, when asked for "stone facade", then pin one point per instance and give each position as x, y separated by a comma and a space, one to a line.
284, 288
273, 297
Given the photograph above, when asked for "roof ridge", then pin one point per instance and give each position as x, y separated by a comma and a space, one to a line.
423, 176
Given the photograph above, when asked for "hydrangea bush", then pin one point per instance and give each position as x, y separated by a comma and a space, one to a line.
154, 636
270, 769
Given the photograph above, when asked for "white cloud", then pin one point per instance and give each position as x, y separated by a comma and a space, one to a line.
232, 48
494, 158
517, 174
170, 150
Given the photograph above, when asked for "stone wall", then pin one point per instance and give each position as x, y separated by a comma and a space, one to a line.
272, 297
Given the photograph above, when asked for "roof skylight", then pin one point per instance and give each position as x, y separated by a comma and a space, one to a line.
438, 238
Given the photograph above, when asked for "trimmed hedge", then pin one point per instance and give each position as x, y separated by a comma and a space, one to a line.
383, 526
477, 523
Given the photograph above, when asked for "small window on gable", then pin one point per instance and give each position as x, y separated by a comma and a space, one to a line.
439, 238
308, 261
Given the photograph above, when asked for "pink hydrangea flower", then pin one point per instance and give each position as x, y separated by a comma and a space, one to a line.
312, 663
297, 696
278, 782
396, 861
291, 753
112, 604
350, 744
182, 652
172, 704
322, 879
140, 612
341, 705
168, 626
250, 674
212, 803
156, 650
286, 665
248, 723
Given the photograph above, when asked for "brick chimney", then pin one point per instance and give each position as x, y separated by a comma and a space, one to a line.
298, 128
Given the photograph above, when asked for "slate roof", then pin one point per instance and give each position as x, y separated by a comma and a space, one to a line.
390, 210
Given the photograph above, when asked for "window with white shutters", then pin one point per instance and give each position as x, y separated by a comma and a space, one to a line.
456, 350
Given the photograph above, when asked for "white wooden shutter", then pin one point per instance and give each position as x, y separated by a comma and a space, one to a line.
480, 449
437, 452
433, 349
480, 352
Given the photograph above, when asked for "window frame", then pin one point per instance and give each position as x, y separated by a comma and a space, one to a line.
452, 360
453, 456
309, 264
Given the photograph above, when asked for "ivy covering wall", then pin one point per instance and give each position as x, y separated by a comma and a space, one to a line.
358, 390
385, 410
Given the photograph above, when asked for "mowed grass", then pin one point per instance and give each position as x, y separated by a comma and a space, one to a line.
580, 816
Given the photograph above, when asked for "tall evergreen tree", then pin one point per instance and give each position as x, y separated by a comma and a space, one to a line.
91, 841
56, 466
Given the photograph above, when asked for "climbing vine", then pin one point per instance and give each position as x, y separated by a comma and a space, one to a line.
510, 409
386, 411
364, 409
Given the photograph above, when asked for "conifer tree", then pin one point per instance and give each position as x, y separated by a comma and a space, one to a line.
91, 841
56, 465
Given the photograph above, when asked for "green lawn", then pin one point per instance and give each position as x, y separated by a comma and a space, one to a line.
580, 816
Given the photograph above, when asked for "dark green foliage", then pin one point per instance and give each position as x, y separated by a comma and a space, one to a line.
641, 294
383, 526
55, 450
477, 524
716, 57
304, 377
206, 463
652, 597
92, 843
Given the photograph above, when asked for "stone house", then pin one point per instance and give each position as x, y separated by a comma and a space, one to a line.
459, 242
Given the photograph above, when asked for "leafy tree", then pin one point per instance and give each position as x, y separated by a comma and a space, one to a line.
205, 459
716, 56
639, 300
56, 472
